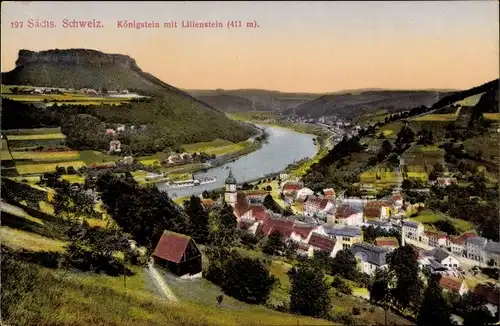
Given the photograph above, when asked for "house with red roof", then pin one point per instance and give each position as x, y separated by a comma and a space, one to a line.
319, 206
346, 215
290, 191
435, 238
301, 232
378, 209
387, 242
397, 201
453, 284
321, 242
177, 253
457, 243
283, 226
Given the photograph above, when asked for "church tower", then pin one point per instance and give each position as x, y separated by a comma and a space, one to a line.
230, 195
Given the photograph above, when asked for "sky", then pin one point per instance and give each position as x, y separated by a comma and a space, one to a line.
298, 47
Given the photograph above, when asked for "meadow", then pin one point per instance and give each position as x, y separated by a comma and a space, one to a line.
45, 156
492, 116
36, 136
379, 176
4, 151
46, 167
429, 217
422, 156
471, 100
443, 117
216, 147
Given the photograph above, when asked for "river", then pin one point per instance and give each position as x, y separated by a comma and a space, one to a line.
284, 147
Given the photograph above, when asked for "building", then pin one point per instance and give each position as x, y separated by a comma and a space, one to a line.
230, 196
453, 284
384, 225
492, 250
435, 238
443, 257
318, 206
390, 243
491, 293
177, 253
290, 189
174, 159
115, 146
380, 209
110, 132
397, 201
329, 193
318, 242
445, 182
475, 249
412, 231
300, 232
345, 236
346, 215
303, 193
457, 244
370, 257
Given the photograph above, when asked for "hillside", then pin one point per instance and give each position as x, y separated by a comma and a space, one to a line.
352, 105
168, 119
489, 87
83, 68
263, 100
228, 103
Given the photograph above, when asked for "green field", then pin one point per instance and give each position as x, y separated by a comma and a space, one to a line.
45, 156
471, 100
65, 98
91, 157
46, 167
36, 136
4, 151
440, 116
430, 217
216, 147
422, 156
385, 176
391, 130
491, 116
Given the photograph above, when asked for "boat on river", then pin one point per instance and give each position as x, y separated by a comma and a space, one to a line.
191, 183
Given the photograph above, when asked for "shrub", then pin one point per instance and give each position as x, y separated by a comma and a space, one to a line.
70, 170
355, 311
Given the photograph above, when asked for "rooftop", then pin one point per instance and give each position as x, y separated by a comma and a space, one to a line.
322, 242
171, 246
493, 247
478, 241
450, 283
230, 178
374, 254
411, 224
387, 241
347, 231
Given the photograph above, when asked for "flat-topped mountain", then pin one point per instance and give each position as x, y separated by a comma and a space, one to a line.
83, 68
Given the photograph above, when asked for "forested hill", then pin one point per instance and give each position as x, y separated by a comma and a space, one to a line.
352, 105
489, 87
83, 68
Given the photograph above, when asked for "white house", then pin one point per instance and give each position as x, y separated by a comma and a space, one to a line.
435, 239
303, 193
457, 244
369, 257
412, 230
475, 249
397, 201
378, 209
345, 236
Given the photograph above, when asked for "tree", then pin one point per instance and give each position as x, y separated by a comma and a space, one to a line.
198, 219
271, 204
407, 291
274, 244
341, 285
473, 309
206, 194
386, 147
434, 309
247, 279
309, 293
345, 264
379, 290
222, 229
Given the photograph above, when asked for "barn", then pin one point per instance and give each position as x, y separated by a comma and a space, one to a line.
178, 253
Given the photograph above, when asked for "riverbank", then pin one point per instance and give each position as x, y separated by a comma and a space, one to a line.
310, 129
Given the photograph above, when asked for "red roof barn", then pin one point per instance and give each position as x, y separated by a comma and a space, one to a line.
177, 253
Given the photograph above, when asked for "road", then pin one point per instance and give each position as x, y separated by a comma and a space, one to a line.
160, 283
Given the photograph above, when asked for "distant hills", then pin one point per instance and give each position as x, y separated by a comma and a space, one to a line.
351, 105
344, 103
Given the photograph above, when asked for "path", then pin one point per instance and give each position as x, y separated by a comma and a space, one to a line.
160, 282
